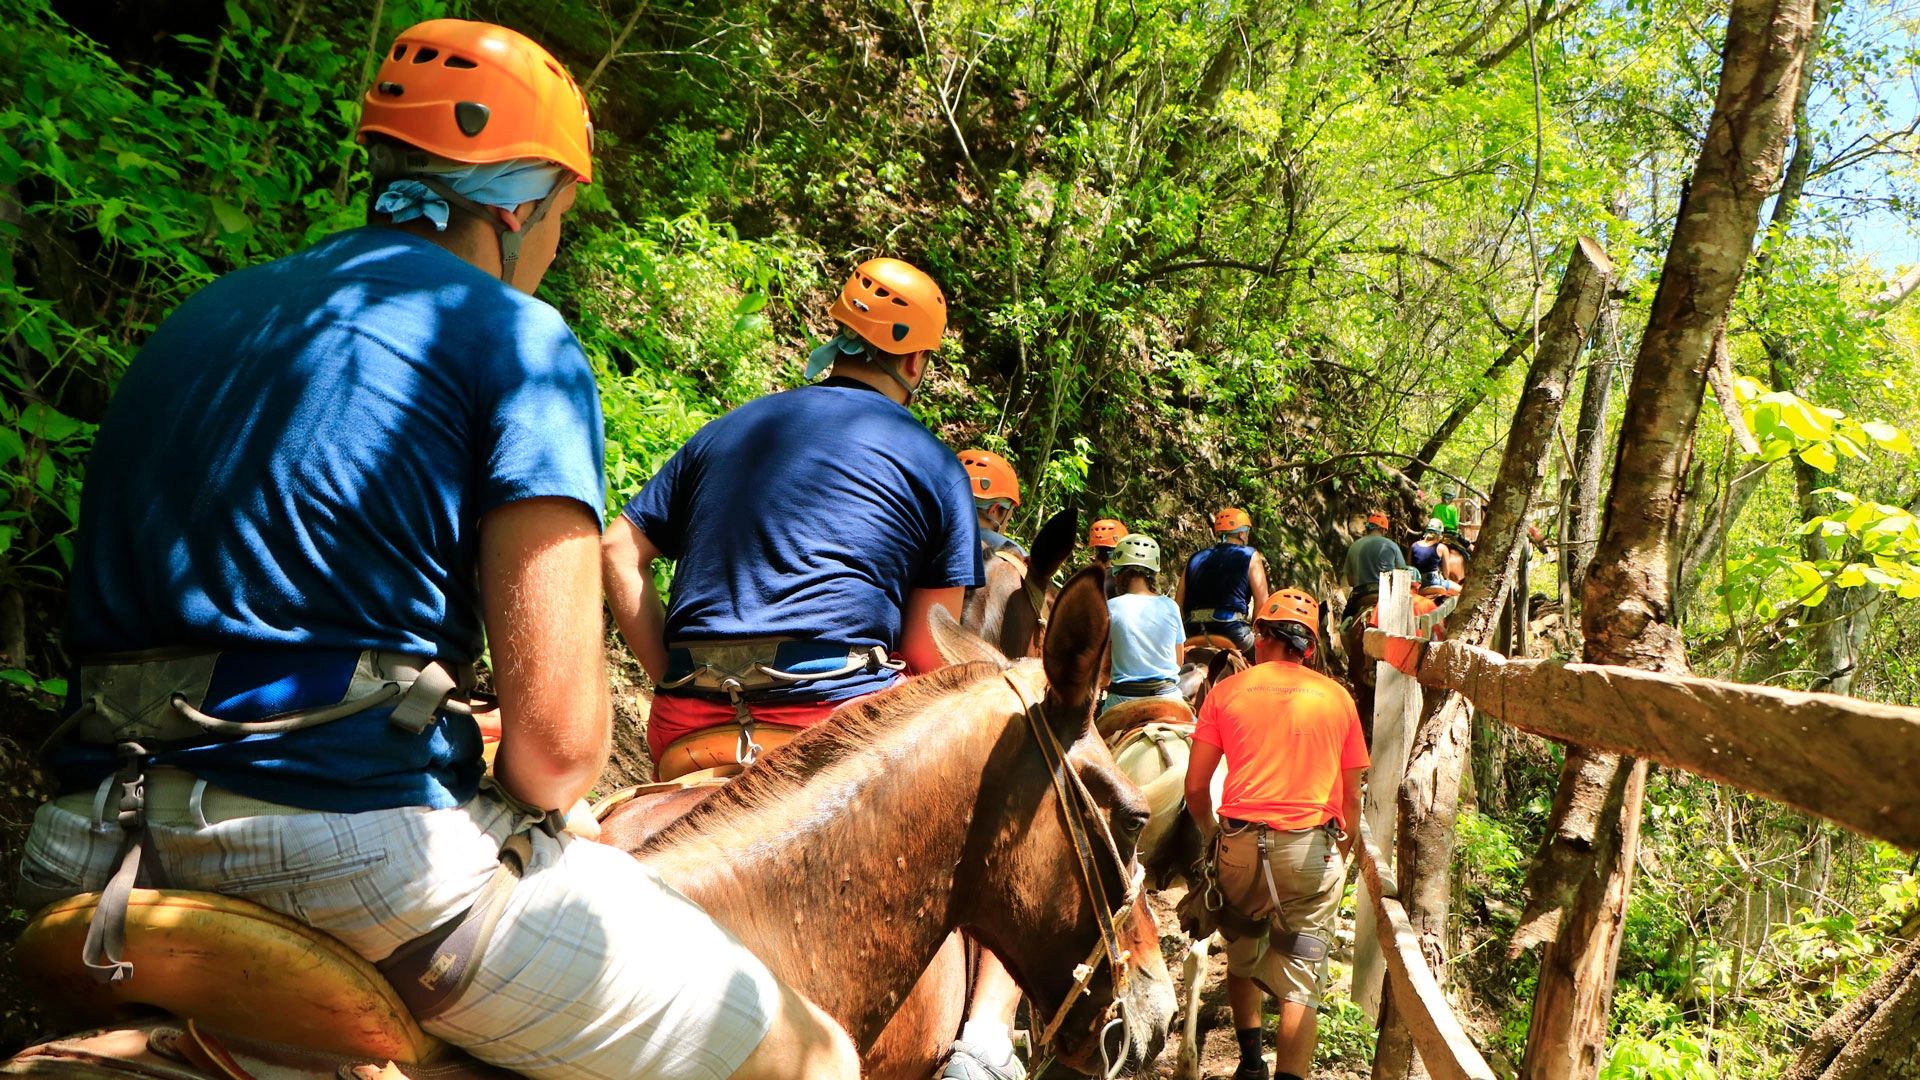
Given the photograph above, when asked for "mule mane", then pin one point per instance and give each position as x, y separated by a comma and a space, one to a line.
850, 731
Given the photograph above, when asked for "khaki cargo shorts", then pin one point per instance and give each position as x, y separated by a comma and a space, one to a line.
1308, 877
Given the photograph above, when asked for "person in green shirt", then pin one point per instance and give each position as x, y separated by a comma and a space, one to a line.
1448, 510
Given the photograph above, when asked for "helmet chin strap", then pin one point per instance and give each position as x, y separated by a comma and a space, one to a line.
893, 373
502, 223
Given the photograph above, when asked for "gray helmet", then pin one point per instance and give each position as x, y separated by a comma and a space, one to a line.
1436, 526
1137, 549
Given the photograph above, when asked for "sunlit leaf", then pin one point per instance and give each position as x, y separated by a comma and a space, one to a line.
1820, 456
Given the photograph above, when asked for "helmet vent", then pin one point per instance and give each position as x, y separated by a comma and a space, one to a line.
866, 283
897, 300
900, 331
399, 52
471, 116
460, 62
426, 53
882, 292
391, 89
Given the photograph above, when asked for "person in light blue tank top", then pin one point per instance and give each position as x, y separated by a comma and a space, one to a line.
1146, 630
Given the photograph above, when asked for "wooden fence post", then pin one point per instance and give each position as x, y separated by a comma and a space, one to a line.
1396, 710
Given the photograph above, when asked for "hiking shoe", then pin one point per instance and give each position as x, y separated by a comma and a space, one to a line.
963, 1064
1251, 1070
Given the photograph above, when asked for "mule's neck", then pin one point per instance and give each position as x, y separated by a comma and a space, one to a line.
845, 886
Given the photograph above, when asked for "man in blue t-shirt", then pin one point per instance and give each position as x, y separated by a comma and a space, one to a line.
822, 523
812, 531
320, 480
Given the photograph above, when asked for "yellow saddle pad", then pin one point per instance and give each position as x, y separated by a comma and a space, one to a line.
228, 964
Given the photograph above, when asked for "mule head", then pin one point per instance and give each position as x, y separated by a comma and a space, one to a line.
1050, 905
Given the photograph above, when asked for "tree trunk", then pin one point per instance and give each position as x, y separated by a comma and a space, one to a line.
1781, 353
1590, 437
1876, 1037
1627, 612
1429, 796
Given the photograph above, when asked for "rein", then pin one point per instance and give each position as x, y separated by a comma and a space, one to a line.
1078, 807
1036, 593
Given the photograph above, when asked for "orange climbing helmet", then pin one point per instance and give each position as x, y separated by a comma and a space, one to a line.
1379, 519
1106, 533
1294, 606
480, 94
990, 476
1231, 519
895, 306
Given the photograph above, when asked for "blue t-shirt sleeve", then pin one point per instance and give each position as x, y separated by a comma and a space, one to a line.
956, 561
652, 511
540, 422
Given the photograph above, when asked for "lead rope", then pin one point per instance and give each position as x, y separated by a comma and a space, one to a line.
1077, 805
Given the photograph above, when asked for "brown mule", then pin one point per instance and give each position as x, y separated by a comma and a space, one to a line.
905, 1031
844, 860
1010, 610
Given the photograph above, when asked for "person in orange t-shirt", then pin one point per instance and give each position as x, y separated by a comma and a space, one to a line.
1295, 757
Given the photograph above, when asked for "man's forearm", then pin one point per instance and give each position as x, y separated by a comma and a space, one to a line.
1200, 809
627, 558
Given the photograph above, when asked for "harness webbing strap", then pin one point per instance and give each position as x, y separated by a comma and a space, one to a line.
733, 669
421, 689
104, 951
1078, 806
430, 972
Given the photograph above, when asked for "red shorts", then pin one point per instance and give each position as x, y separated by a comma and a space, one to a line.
675, 716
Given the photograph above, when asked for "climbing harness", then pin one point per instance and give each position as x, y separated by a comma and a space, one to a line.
1078, 807
748, 666
142, 704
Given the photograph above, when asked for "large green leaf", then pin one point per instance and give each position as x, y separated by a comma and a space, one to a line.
49, 423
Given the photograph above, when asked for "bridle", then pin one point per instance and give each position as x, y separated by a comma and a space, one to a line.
1035, 592
1078, 808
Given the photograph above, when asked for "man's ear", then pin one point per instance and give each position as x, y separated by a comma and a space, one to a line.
913, 366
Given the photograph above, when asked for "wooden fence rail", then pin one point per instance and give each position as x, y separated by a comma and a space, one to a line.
1444, 1046
1850, 761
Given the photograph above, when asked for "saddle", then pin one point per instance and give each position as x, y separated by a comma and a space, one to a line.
1215, 642
714, 753
1118, 724
309, 1006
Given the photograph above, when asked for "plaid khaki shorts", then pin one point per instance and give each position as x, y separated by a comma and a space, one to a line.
1298, 896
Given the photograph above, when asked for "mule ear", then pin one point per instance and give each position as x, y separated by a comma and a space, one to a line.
1054, 544
957, 644
1221, 666
1077, 642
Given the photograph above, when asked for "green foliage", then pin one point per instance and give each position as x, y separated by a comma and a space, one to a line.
1195, 255
1345, 1034
673, 314
1865, 544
